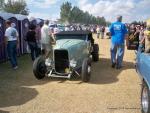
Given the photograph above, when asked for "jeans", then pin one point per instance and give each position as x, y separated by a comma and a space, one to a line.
102, 35
34, 50
12, 52
117, 53
98, 34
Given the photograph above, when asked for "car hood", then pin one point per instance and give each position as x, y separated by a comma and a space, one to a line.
67, 43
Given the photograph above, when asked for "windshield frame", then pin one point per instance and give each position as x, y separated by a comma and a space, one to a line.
77, 37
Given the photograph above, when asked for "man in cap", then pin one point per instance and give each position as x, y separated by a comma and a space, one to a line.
118, 33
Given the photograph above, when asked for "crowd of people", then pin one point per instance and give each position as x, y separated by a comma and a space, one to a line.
41, 38
139, 35
100, 30
137, 38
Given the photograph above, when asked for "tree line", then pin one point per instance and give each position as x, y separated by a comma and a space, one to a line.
70, 14
14, 6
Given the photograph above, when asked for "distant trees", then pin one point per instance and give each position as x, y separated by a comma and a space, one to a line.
1, 4
75, 15
66, 12
15, 7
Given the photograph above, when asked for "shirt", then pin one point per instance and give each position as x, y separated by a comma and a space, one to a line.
118, 31
45, 37
98, 30
147, 39
31, 36
11, 34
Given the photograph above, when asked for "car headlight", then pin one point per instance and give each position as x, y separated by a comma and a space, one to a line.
73, 63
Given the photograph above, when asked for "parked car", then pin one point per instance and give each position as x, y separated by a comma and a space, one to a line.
143, 69
61, 27
72, 54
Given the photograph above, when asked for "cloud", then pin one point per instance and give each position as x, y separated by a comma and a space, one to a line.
130, 9
44, 16
39, 15
42, 3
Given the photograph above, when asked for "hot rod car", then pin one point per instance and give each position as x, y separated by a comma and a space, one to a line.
72, 55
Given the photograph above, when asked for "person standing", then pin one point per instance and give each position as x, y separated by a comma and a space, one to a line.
133, 38
31, 39
102, 32
12, 43
118, 33
98, 31
141, 35
147, 39
46, 42
38, 37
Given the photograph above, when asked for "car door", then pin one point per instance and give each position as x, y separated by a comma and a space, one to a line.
143, 66
138, 56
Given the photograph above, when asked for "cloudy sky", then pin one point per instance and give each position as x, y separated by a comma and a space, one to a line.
130, 9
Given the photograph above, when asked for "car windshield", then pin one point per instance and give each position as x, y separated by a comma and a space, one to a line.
80, 37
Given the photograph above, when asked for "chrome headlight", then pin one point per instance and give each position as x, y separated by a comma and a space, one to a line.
73, 63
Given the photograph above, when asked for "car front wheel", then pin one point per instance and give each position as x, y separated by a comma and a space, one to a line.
145, 98
86, 70
39, 68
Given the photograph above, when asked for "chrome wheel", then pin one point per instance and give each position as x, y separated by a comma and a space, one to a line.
145, 100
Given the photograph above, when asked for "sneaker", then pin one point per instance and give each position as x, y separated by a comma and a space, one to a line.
16, 67
113, 65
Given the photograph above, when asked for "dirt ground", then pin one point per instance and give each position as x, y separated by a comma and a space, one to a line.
109, 90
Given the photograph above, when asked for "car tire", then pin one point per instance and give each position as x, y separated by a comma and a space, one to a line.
39, 68
95, 53
86, 70
145, 98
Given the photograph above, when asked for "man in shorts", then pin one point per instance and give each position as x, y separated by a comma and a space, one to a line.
46, 42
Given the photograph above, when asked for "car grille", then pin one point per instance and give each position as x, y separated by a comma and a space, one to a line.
61, 61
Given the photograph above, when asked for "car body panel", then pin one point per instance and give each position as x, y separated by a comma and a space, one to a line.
143, 66
77, 49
